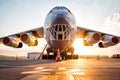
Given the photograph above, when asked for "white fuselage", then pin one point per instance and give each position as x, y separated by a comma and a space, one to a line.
60, 28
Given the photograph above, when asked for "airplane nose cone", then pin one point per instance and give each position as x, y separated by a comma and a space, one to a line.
60, 19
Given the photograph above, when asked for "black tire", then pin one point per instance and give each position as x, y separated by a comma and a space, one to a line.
75, 56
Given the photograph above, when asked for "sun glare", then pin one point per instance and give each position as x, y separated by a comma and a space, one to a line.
80, 48
78, 45
78, 42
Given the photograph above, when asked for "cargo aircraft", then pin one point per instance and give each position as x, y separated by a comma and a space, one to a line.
60, 31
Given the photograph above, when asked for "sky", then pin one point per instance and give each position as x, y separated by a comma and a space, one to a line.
21, 15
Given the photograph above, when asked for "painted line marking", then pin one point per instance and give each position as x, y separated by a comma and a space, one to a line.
62, 68
39, 68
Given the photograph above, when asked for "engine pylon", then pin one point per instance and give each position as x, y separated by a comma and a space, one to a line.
58, 57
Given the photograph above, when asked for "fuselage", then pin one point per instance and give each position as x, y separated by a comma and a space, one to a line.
60, 28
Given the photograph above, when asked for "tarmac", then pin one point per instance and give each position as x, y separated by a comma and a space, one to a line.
79, 69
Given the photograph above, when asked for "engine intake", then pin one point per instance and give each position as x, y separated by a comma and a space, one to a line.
29, 38
12, 42
108, 41
91, 38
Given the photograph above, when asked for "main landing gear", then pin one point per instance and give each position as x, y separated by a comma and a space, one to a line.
59, 55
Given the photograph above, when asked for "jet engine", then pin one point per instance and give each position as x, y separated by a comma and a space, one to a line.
12, 42
91, 38
29, 38
108, 41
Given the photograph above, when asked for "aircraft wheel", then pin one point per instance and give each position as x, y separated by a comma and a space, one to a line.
48, 55
55, 55
75, 56
64, 56
71, 55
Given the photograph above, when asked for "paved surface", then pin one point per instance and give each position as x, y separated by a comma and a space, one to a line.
81, 69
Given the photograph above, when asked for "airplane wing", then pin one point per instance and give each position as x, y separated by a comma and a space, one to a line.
91, 37
28, 37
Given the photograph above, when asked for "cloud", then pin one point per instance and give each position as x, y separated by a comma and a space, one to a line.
114, 19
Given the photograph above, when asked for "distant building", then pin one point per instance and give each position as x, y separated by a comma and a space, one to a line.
33, 55
116, 56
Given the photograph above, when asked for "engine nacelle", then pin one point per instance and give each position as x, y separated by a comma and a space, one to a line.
108, 41
29, 38
12, 42
91, 38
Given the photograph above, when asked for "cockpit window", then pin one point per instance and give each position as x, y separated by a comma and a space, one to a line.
60, 28
60, 31
59, 7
